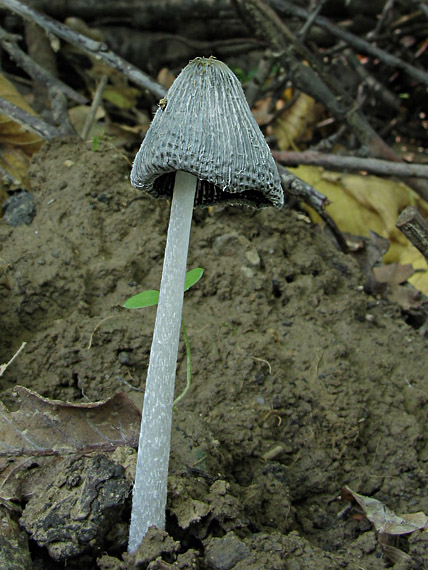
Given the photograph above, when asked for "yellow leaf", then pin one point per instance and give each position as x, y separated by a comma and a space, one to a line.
419, 279
78, 115
362, 203
295, 123
15, 162
121, 96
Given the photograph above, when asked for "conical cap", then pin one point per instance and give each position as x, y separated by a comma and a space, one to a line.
205, 127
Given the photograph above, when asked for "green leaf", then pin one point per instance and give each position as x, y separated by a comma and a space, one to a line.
143, 299
150, 298
193, 277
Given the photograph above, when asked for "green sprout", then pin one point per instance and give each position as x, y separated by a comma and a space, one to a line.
150, 298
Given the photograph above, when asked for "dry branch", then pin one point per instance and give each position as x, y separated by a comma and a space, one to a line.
415, 227
337, 162
286, 8
9, 43
29, 121
304, 192
312, 79
98, 50
309, 74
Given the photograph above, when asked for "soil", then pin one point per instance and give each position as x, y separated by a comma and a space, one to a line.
301, 382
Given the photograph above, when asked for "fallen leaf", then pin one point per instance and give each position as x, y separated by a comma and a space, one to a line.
394, 273
121, 96
383, 519
12, 132
78, 115
296, 123
165, 77
14, 164
360, 204
41, 426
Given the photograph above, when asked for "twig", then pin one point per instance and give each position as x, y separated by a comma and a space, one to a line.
376, 86
284, 7
303, 32
29, 121
262, 73
98, 50
415, 227
4, 366
60, 111
312, 79
95, 104
337, 162
301, 190
304, 192
34, 70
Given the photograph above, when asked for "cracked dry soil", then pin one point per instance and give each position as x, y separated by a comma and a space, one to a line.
301, 382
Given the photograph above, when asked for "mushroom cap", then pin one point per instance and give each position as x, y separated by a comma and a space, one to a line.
205, 127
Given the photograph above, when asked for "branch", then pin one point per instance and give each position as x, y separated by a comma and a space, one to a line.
97, 50
29, 121
312, 79
337, 162
316, 81
9, 43
415, 227
304, 192
284, 7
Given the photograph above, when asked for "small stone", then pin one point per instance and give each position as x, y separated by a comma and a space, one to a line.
124, 357
19, 209
224, 553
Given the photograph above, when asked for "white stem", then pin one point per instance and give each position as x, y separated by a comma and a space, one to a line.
150, 487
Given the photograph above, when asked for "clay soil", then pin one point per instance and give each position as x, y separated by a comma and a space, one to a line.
301, 382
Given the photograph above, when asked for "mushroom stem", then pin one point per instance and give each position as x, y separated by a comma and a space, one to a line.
150, 487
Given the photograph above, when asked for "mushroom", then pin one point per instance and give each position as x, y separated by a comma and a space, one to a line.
203, 147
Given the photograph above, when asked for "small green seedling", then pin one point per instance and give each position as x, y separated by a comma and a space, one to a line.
151, 297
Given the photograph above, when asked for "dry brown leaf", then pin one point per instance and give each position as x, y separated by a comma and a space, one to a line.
407, 297
393, 274
41, 426
383, 519
10, 131
262, 111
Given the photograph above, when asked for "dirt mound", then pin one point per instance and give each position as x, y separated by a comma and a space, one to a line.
301, 383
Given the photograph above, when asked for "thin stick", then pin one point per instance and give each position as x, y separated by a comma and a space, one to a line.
4, 366
415, 227
98, 50
337, 162
95, 104
9, 43
28, 121
284, 7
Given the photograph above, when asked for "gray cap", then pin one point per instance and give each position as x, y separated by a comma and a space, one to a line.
205, 127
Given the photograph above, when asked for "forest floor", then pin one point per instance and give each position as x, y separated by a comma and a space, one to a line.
301, 382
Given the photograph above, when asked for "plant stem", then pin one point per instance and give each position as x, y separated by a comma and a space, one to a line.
150, 487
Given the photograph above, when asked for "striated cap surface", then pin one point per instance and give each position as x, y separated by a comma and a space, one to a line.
205, 127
